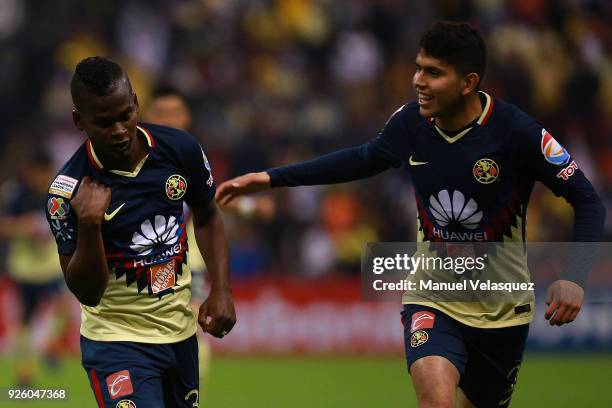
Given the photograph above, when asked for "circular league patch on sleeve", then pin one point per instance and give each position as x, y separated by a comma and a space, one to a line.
551, 149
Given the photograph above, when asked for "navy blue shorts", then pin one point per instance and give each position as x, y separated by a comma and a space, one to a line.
488, 360
125, 374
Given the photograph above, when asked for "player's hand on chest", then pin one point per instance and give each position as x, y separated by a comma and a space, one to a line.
152, 198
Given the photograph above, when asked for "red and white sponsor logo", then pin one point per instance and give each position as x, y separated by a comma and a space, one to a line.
119, 384
422, 320
568, 172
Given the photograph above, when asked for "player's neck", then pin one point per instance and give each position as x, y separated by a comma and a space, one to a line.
138, 153
465, 112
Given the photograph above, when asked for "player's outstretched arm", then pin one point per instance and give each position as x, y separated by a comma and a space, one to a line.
86, 271
353, 163
216, 315
247, 184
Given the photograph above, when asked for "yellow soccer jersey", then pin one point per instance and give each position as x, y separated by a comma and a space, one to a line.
473, 185
144, 234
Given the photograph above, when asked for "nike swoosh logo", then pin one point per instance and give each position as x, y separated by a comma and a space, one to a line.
108, 217
414, 162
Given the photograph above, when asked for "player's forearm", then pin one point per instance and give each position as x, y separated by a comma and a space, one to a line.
344, 165
589, 217
87, 273
210, 237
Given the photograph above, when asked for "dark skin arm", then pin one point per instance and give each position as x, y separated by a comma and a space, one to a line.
217, 315
564, 299
86, 271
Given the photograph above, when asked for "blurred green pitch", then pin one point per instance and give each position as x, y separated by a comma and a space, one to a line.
568, 380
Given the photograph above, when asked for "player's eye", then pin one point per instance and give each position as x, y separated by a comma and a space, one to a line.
127, 115
104, 123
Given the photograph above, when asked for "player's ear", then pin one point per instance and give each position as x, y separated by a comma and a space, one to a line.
76, 118
471, 81
136, 102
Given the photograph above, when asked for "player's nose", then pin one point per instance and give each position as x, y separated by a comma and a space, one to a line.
118, 131
417, 80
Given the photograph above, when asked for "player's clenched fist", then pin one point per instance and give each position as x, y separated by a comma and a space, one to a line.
91, 201
217, 315
564, 299
247, 184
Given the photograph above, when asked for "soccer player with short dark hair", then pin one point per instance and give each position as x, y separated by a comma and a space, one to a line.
123, 249
473, 160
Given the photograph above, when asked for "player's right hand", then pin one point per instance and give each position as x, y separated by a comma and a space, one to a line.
91, 201
246, 184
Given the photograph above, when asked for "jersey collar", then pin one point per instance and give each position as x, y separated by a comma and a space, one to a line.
97, 164
482, 120
488, 109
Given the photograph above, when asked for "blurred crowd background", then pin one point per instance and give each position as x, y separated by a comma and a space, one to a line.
271, 82
275, 81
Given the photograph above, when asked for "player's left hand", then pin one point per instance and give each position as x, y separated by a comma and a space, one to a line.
217, 315
564, 299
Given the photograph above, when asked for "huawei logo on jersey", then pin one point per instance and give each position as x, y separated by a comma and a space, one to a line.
446, 210
162, 233
455, 213
159, 248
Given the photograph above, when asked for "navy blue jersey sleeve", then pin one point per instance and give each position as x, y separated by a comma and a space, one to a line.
201, 186
60, 216
353, 163
392, 143
551, 164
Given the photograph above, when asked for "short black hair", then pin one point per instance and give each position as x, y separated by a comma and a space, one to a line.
457, 43
97, 75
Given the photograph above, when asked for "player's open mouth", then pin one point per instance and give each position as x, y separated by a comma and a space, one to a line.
424, 99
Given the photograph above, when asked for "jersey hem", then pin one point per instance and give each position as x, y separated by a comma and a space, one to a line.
479, 325
140, 339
